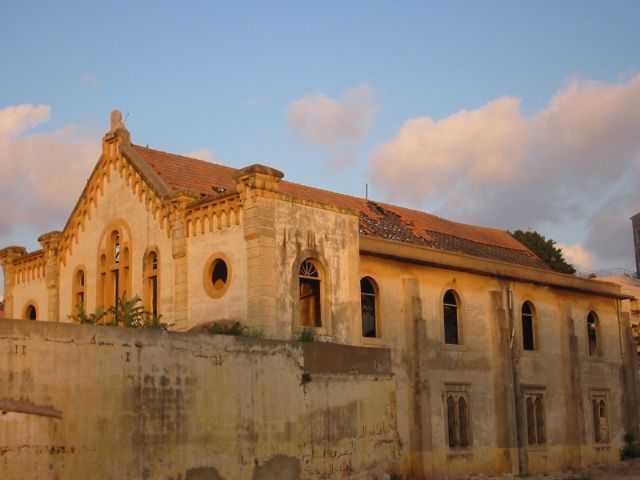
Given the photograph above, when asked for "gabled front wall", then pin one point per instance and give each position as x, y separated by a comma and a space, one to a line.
117, 205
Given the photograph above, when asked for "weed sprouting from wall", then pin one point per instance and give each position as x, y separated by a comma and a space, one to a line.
307, 334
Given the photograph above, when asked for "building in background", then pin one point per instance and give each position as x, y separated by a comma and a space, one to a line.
635, 223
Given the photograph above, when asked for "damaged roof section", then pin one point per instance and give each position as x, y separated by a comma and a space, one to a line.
381, 220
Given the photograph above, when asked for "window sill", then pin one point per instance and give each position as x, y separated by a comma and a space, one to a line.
373, 342
540, 447
452, 347
466, 452
530, 353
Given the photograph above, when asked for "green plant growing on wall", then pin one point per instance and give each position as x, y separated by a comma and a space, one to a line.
127, 313
236, 329
307, 334
631, 449
87, 318
305, 378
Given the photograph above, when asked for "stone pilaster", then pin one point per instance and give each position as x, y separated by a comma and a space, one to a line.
574, 406
49, 242
256, 185
179, 251
7, 256
508, 399
416, 382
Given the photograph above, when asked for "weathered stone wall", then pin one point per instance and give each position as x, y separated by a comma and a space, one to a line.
227, 243
495, 372
330, 237
111, 403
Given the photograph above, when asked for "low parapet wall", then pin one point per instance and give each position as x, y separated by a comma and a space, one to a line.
111, 403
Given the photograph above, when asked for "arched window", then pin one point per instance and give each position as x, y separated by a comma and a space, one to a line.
113, 267
451, 327
528, 341
464, 422
452, 422
309, 280
368, 308
457, 420
600, 419
592, 333
535, 419
79, 290
30, 312
151, 274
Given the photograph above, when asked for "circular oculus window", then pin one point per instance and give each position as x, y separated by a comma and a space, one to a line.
217, 276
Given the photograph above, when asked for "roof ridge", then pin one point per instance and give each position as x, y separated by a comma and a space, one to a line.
207, 162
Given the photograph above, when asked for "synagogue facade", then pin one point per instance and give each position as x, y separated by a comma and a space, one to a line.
498, 363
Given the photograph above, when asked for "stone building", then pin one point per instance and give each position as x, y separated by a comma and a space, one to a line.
499, 364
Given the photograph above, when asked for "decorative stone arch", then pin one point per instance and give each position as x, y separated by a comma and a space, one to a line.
114, 260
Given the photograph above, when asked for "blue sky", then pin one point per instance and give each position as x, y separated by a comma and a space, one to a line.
457, 108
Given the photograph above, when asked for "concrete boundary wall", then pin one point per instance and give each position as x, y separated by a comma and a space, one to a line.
99, 402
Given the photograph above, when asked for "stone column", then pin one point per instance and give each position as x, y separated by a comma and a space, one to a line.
631, 388
507, 414
179, 250
49, 242
574, 404
7, 256
257, 185
416, 381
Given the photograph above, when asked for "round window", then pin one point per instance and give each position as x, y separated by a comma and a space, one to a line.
217, 275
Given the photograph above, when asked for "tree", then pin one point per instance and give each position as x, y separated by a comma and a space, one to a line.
545, 249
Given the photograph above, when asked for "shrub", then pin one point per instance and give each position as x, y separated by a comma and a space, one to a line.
236, 328
630, 451
127, 313
84, 318
307, 334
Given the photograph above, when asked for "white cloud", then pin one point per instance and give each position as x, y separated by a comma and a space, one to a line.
338, 125
578, 256
14, 120
495, 166
41, 175
203, 154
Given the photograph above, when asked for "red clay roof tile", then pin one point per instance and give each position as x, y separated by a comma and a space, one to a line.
376, 219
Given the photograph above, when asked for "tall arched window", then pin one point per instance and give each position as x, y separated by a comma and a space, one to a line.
151, 274
528, 337
592, 333
368, 292
458, 433
113, 267
536, 428
309, 280
79, 290
450, 308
